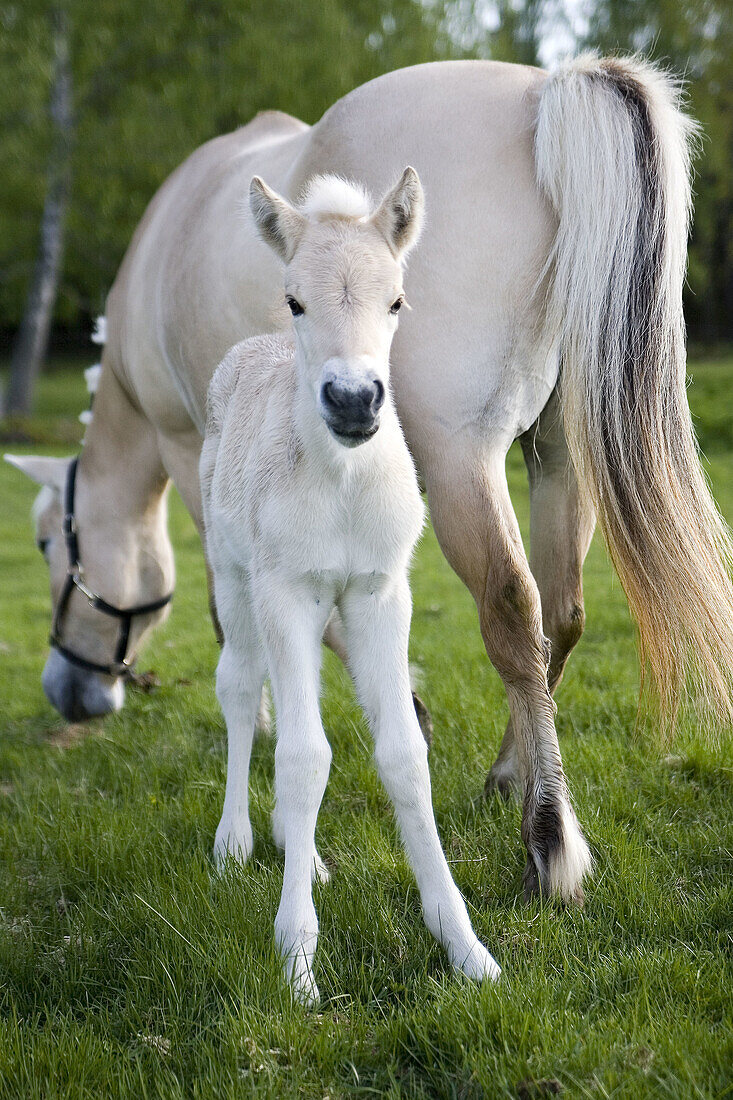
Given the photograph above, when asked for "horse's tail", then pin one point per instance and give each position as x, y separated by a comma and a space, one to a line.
612, 152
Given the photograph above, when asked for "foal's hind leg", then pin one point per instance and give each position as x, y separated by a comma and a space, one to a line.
477, 529
377, 620
239, 678
334, 638
561, 531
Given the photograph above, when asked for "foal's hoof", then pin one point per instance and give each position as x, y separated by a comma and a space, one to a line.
479, 965
306, 993
319, 870
232, 844
423, 717
299, 977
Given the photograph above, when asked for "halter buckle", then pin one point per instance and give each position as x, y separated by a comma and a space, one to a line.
76, 576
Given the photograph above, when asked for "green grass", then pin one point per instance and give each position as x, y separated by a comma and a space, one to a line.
128, 969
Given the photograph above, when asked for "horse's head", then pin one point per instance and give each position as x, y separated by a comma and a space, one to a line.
123, 566
343, 284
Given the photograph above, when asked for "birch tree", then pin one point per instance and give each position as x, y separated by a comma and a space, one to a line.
31, 342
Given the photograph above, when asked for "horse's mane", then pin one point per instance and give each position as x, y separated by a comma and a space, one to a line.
335, 197
92, 374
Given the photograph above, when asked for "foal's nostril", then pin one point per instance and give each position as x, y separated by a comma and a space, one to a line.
328, 394
371, 396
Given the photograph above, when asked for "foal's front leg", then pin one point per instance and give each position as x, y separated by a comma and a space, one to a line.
292, 626
377, 621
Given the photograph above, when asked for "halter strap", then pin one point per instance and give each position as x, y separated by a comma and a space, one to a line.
121, 664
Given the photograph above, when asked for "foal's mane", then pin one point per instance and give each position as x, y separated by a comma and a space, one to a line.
335, 197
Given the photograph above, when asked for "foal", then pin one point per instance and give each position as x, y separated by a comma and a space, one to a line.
311, 502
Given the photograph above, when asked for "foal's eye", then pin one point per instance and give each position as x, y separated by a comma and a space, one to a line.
295, 307
396, 305
42, 545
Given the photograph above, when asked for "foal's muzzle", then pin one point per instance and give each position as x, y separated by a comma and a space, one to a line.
352, 411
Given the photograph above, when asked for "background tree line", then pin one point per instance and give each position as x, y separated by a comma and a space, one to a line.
100, 100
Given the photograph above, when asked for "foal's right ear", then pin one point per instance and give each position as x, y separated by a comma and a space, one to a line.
41, 469
279, 224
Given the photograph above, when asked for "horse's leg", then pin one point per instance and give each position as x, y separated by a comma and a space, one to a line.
335, 640
302, 761
180, 455
561, 528
377, 623
478, 531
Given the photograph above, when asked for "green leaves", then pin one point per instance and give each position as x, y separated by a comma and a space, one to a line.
152, 82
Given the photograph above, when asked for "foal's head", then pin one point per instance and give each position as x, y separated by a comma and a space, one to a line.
343, 284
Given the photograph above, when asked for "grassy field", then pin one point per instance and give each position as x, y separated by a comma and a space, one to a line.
127, 969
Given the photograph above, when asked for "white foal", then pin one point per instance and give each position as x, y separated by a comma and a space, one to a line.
303, 515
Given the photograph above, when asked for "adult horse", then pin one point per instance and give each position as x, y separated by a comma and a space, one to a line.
556, 230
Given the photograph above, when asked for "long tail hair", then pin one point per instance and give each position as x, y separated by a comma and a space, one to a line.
612, 153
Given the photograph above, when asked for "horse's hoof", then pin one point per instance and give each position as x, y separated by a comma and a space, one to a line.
423, 717
502, 782
537, 886
558, 859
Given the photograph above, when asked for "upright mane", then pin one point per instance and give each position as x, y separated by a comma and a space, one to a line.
335, 197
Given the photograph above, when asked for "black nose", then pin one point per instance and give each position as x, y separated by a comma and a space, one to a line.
355, 403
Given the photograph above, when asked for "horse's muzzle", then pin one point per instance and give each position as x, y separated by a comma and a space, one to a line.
76, 694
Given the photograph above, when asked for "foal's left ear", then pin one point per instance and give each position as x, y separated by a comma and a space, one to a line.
280, 225
399, 216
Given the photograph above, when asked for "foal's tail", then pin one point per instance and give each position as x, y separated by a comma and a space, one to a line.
613, 156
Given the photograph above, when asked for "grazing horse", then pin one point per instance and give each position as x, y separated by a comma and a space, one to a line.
558, 217
311, 502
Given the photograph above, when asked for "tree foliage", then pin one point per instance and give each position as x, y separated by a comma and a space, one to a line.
152, 81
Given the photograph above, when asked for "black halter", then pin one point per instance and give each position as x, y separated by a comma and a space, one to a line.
121, 664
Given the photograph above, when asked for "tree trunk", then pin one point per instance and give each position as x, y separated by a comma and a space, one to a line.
31, 341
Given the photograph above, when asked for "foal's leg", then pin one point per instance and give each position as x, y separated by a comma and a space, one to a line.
292, 627
477, 529
561, 530
377, 622
239, 678
335, 640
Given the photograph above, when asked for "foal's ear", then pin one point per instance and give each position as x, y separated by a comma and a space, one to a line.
41, 469
399, 216
279, 224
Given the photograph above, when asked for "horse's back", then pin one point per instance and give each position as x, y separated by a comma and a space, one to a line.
467, 127
200, 279
174, 261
